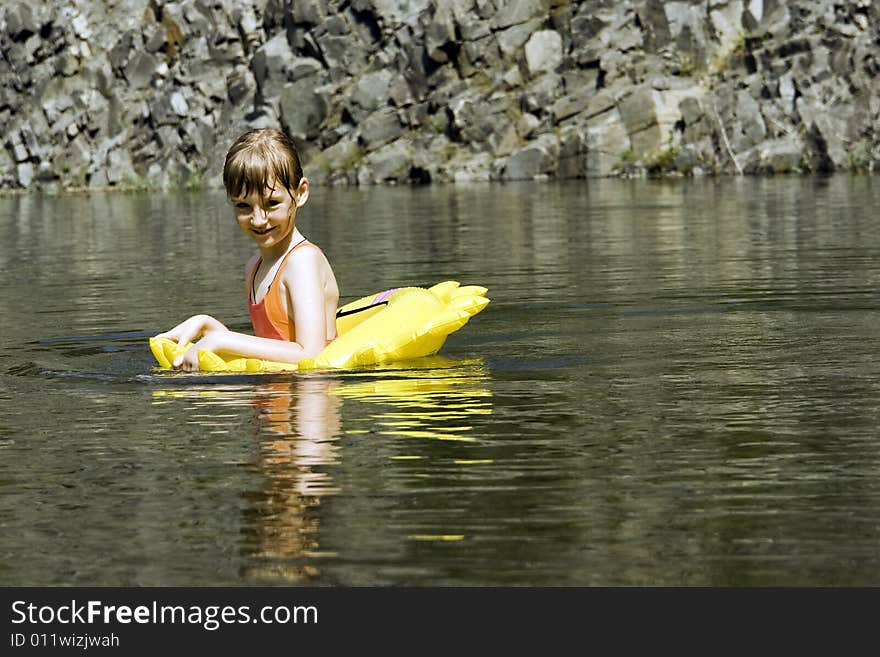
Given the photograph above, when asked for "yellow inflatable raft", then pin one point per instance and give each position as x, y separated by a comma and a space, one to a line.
400, 324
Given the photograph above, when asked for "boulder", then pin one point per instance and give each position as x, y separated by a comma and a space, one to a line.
379, 128
390, 163
515, 12
543, 52
607, 141
650, 116
784, 155
372, 90
536, 159
826, 133
303, 108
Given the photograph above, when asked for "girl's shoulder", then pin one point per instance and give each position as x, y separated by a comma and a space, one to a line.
307, 263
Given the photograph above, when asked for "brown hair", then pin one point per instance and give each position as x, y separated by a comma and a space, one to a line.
258, 158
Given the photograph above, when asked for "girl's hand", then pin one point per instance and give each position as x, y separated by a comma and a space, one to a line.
188, 361
192, 329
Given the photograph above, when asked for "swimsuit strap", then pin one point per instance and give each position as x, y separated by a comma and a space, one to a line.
280, 267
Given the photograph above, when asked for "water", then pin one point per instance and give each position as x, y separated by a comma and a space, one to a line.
674, 384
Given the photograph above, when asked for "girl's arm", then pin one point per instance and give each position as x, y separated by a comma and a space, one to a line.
192, 328
241, 345
304, 280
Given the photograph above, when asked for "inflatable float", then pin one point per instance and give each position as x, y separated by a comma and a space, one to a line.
395, 325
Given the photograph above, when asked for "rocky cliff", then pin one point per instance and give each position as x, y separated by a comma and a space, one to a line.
151, 93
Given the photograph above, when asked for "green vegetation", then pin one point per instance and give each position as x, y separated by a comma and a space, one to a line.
663, 161
194, 181
858, 159
182, 179
628, 158
136, 183
687, 66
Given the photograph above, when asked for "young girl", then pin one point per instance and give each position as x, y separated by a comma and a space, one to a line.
292, 292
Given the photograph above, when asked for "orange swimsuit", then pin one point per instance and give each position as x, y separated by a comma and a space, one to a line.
269, 317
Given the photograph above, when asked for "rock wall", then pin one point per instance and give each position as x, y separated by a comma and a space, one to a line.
151, 93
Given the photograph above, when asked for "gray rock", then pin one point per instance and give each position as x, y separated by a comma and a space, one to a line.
623, 35
751, 122
691, 110
309, 12
650, 116
343, 155
601, 103
394, 12
653, 16
400, 93
199, 135
573, 149
826, 133
607, 142
512, 39
19, 150
240, 85
475, 168
472, 28
20, 24
178, 104
543, 52
72, 160
380, 128
541, 93
274, 63
483, 53
140, 69
439, 32
372, 90
272, 59
474, 84
29, 138
571, 105
303, 108
391, 163
25, 173
639, 109
340, 55
536, 159
514, 12
169, 137
783, 155
584, 28
119, 166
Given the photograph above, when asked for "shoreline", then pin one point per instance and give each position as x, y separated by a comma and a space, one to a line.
668, 176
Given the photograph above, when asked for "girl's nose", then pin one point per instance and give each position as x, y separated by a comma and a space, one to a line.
259, 217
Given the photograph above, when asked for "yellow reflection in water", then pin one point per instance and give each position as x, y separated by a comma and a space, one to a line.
435, 402
296, 425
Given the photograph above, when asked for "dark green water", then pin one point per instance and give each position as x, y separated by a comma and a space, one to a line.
675, 384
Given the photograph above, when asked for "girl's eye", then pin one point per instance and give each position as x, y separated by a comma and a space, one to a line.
242, 206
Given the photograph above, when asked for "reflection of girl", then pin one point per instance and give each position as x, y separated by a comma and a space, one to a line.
302, 422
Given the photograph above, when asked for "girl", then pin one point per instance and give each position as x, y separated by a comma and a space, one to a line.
292, 292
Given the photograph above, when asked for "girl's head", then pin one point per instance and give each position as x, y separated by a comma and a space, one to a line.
259, 160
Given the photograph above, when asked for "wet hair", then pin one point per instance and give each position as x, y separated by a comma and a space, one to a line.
257, 159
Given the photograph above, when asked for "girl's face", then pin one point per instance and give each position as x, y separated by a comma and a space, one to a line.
269, 218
